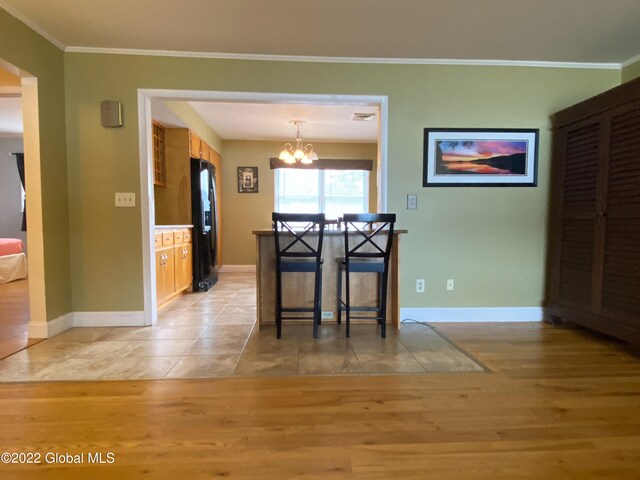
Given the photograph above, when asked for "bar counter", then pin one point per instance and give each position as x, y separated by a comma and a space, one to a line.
297, 288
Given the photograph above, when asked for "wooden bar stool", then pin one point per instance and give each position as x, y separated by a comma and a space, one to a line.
369, 254
298, 242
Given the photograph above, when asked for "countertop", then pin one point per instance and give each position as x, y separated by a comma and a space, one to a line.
268, 231
170, 227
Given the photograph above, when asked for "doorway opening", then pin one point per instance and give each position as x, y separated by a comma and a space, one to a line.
148, 98
22, 299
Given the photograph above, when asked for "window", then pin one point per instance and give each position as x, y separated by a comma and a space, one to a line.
332, 192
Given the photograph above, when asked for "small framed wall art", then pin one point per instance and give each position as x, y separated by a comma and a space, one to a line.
247, 179
489, 157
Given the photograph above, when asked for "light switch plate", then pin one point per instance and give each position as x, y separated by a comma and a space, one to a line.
412, 202
125, 199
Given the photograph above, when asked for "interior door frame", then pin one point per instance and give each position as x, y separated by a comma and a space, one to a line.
147, 207
28, 91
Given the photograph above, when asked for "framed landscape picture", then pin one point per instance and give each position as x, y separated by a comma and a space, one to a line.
488, 157
247, 179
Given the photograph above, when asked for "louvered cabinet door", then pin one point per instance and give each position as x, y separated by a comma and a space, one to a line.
621, 266
579, 148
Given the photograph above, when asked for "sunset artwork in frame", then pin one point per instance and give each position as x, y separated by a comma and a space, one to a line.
457, 157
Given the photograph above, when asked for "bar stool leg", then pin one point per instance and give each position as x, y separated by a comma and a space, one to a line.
380, 295
317, 301
278, 303
383, 303
339, 293
348, 301
319, 283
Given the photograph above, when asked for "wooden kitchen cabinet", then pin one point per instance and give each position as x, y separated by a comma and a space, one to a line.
173, 202
195, 145
165, 274
183, 266
174, 262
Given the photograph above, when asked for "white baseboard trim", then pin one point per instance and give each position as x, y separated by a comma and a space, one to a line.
238, 269
51, 328
473, 314
108, 319
85, 319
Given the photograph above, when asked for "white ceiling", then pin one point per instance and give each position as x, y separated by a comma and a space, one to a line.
10, 117
525, 30
257, 121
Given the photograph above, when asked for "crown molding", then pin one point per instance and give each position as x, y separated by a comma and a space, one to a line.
31, 24
300, 58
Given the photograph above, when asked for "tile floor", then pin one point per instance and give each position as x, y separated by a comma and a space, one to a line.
212, 335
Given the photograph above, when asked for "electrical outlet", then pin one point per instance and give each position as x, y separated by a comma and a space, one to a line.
450, 285
412, 202
125, 199
327, 315
420, 285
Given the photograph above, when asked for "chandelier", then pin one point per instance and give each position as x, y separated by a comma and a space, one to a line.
302, 153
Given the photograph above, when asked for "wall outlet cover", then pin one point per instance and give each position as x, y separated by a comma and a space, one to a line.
412, 202
327, 315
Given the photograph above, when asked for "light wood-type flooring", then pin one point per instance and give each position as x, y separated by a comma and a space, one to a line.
561, 404
14, 317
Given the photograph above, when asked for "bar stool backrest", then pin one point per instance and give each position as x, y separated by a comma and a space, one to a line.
292, 233
370, 230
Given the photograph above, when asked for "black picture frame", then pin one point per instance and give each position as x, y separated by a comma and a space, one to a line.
247, 179
480, 157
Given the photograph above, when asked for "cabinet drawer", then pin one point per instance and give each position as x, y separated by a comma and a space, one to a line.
158, 240
177, 237
186, 236
167, 238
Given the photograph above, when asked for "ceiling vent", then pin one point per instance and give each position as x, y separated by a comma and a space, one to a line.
363, 117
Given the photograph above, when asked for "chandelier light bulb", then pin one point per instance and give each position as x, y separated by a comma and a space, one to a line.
302, 153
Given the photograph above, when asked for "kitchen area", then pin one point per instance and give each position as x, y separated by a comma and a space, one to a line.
187, 201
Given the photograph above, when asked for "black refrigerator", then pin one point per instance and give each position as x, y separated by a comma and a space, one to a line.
205, 224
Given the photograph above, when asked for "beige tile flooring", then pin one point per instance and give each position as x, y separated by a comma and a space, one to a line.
212, 334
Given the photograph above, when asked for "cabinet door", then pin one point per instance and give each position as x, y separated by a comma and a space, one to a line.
194, 145
183, 273
579, 149
204, 148
621, 266
164, 274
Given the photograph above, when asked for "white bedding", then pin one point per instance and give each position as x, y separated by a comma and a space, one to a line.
13, 267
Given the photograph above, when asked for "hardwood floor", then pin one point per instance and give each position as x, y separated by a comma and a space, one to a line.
562, 404
14, 317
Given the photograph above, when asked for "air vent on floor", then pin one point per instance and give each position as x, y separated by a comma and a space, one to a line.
363, 117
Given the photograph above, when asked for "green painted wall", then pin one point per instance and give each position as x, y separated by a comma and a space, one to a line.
244, 212
630, 72
490, 240
28, 51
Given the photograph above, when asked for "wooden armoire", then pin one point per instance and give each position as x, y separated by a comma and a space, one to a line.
594, 274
